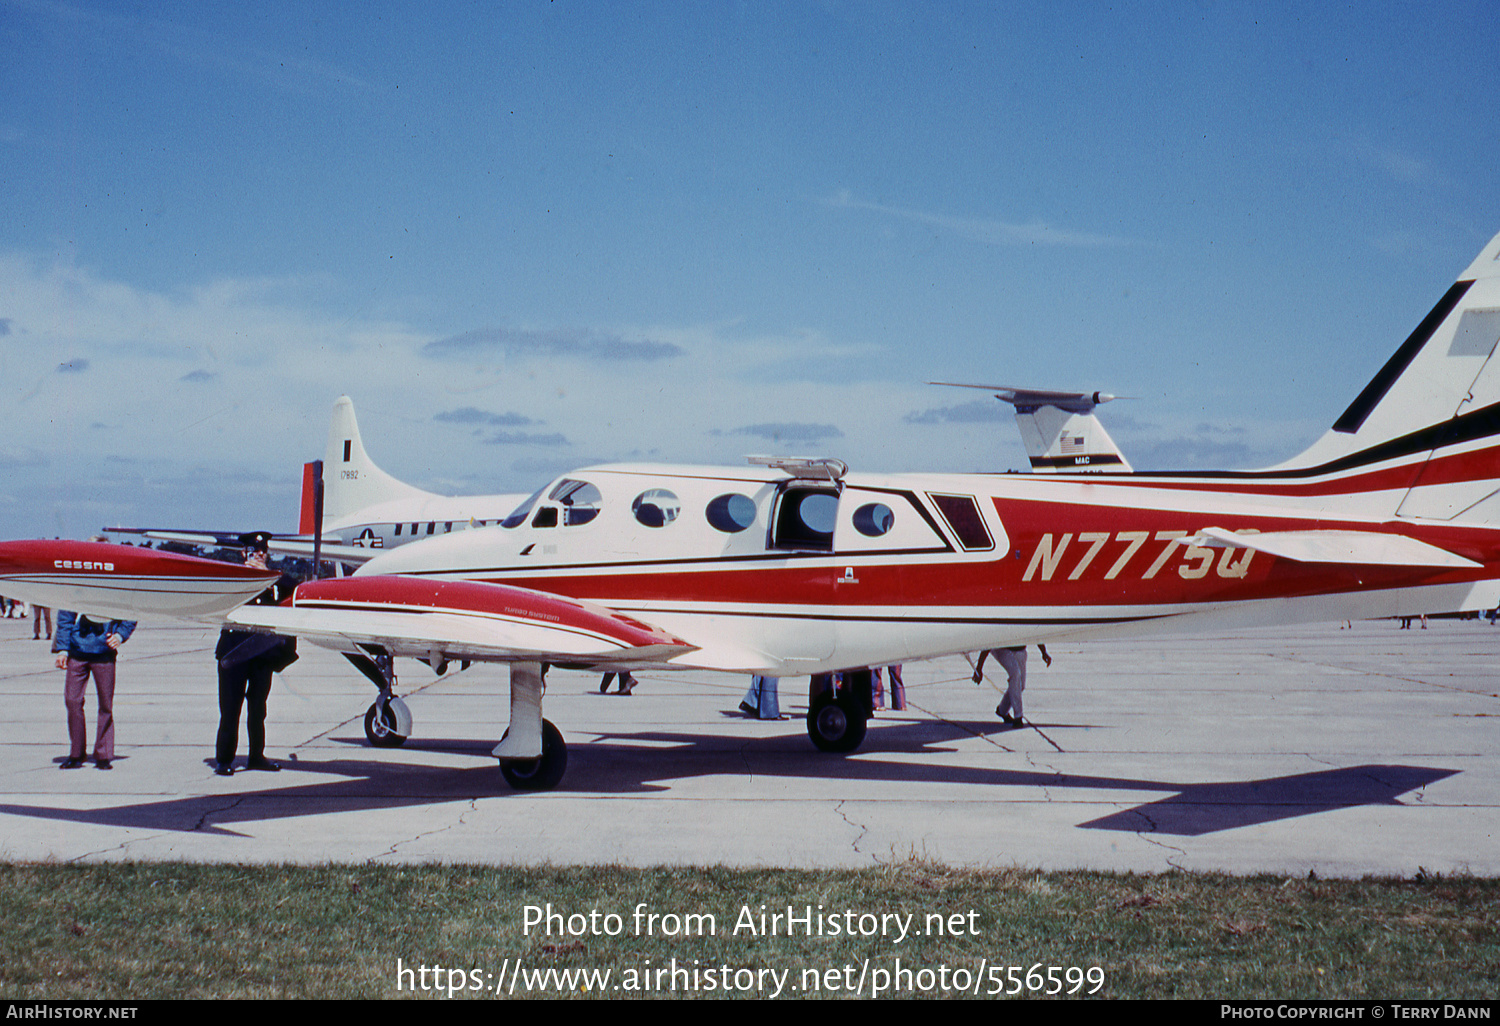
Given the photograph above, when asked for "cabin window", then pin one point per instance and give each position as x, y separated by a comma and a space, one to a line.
656, 507
731, 513
964, 518
874, 519
805, 519
545, 517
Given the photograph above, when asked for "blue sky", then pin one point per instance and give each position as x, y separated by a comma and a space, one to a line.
528, 236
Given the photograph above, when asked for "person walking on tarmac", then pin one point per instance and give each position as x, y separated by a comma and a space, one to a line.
1014, 661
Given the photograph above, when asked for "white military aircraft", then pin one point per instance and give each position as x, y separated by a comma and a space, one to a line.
364, 510
788, 567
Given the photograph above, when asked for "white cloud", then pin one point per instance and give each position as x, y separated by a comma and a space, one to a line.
217, 394
987, 230
233, 380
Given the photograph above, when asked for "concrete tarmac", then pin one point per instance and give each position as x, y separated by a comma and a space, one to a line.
1352, 752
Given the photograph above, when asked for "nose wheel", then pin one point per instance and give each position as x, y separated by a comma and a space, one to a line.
384, 723
388, 720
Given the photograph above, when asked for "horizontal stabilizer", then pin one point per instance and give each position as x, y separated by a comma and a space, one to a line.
1069, 402
1368, 548
413, 616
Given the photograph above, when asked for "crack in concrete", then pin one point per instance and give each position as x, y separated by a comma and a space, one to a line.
1174, 852
203, 819
123, 846
862, 828
471, 806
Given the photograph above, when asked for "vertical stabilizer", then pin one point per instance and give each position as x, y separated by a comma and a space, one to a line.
1059, 429
312, 502
351, 479
1427, 426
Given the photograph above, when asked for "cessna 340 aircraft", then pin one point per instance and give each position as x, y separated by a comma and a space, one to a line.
788, 567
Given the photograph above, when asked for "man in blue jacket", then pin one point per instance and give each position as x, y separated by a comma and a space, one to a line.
87, 647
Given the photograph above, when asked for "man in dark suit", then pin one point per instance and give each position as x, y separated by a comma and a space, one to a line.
246, 662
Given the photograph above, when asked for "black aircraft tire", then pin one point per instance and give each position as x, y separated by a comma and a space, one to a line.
836, 724
380, 727
539, 774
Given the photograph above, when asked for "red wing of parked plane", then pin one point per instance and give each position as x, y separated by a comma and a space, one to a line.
124, 582
456, 620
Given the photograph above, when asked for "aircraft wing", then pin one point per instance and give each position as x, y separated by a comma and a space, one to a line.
454, 620
405, 615
282, 545
126, 582
1366, 548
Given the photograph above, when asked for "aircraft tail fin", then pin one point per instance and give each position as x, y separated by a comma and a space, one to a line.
351, 479
1065, 437
1059, 429
1425, 432
307, 517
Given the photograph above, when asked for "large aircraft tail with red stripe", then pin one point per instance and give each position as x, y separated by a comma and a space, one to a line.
1422, 439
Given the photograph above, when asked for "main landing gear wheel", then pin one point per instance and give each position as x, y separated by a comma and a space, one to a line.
836, 724
381, 726
539, 774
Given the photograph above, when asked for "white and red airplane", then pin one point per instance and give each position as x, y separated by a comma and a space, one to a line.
790, 567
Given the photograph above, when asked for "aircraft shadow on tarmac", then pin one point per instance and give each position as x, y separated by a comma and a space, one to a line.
646, 762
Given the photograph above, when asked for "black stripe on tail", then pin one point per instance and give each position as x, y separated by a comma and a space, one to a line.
1379, 385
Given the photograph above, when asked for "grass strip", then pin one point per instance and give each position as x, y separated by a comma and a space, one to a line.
164, 930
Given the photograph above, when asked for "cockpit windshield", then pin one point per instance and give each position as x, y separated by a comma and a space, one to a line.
577, 501
521, 512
